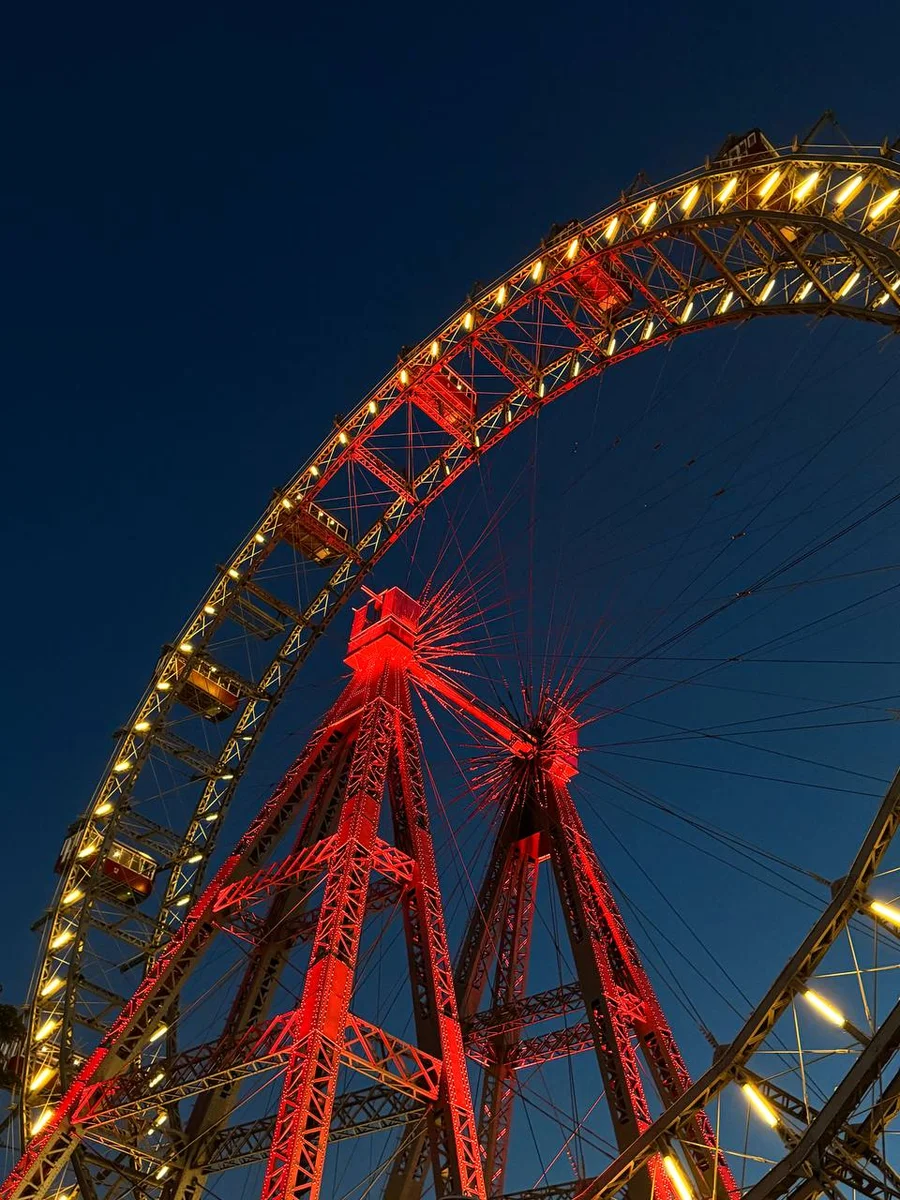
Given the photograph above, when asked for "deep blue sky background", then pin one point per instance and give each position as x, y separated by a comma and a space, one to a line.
188, 197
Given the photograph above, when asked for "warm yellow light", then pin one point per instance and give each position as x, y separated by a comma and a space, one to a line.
769, 184
610, 232
211, 816
648, 214
46, 1029
52, 986
124, 764
848, 285
162, 1172
161, 1119
182, 901
572, 249
71, 897
886, 911
40, 1121
41, 1079
576, 369
804, 291
186, 647
763, 1108
537, 270
62, 939
468, 320
767, 291
806, 185
158, 1032
647, 331
285, 503
209, 609
501, 295
727, 190
542, 389
314, 471
195, 858
828, 1011
611, 345
342, 438
888, 200
88, 850
882, 299
725, 302
143, 726
849, 190
157, 1078
686, 314
373, 407
676, 1175
404, 376
690, 198
103, 809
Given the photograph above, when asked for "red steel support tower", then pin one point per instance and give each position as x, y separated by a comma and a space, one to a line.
366, 751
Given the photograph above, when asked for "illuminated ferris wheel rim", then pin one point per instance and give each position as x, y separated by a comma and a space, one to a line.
832, 221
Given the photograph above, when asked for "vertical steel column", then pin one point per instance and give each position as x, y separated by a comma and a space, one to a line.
455, 1150
297, 1156
513, 951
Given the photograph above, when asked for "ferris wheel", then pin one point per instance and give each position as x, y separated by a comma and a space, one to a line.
157, 1064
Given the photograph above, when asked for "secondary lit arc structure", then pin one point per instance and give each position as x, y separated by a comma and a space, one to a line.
810, 232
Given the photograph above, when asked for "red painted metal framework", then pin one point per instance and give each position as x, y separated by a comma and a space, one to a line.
368, 749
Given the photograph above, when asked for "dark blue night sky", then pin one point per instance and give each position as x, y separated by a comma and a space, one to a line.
219, 225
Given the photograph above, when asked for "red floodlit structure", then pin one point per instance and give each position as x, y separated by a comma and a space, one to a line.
368, 751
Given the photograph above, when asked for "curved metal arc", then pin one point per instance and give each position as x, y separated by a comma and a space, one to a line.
489, 428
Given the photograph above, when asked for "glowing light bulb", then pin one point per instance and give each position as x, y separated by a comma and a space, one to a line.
373, 407
821, 1005
887, 912
610, 231
686, 314
849, 190
103, 809
572, 249
649, 213
435, 348
143, 726
52, 986
763, 1108
727, 191
41, 1079
848, 285
880, 207
806, 185
71, 897
689, 199
46, 1029
468, 321
158, 1032
404, 376
123, 765
40, 1122
769, 184
286, 503
676, 1175
537, 270
767, 291
63, 939
186, 647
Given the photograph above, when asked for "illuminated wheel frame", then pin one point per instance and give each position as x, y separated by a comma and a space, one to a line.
806, 233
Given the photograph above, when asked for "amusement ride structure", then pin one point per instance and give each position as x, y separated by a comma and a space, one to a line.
118, 1093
